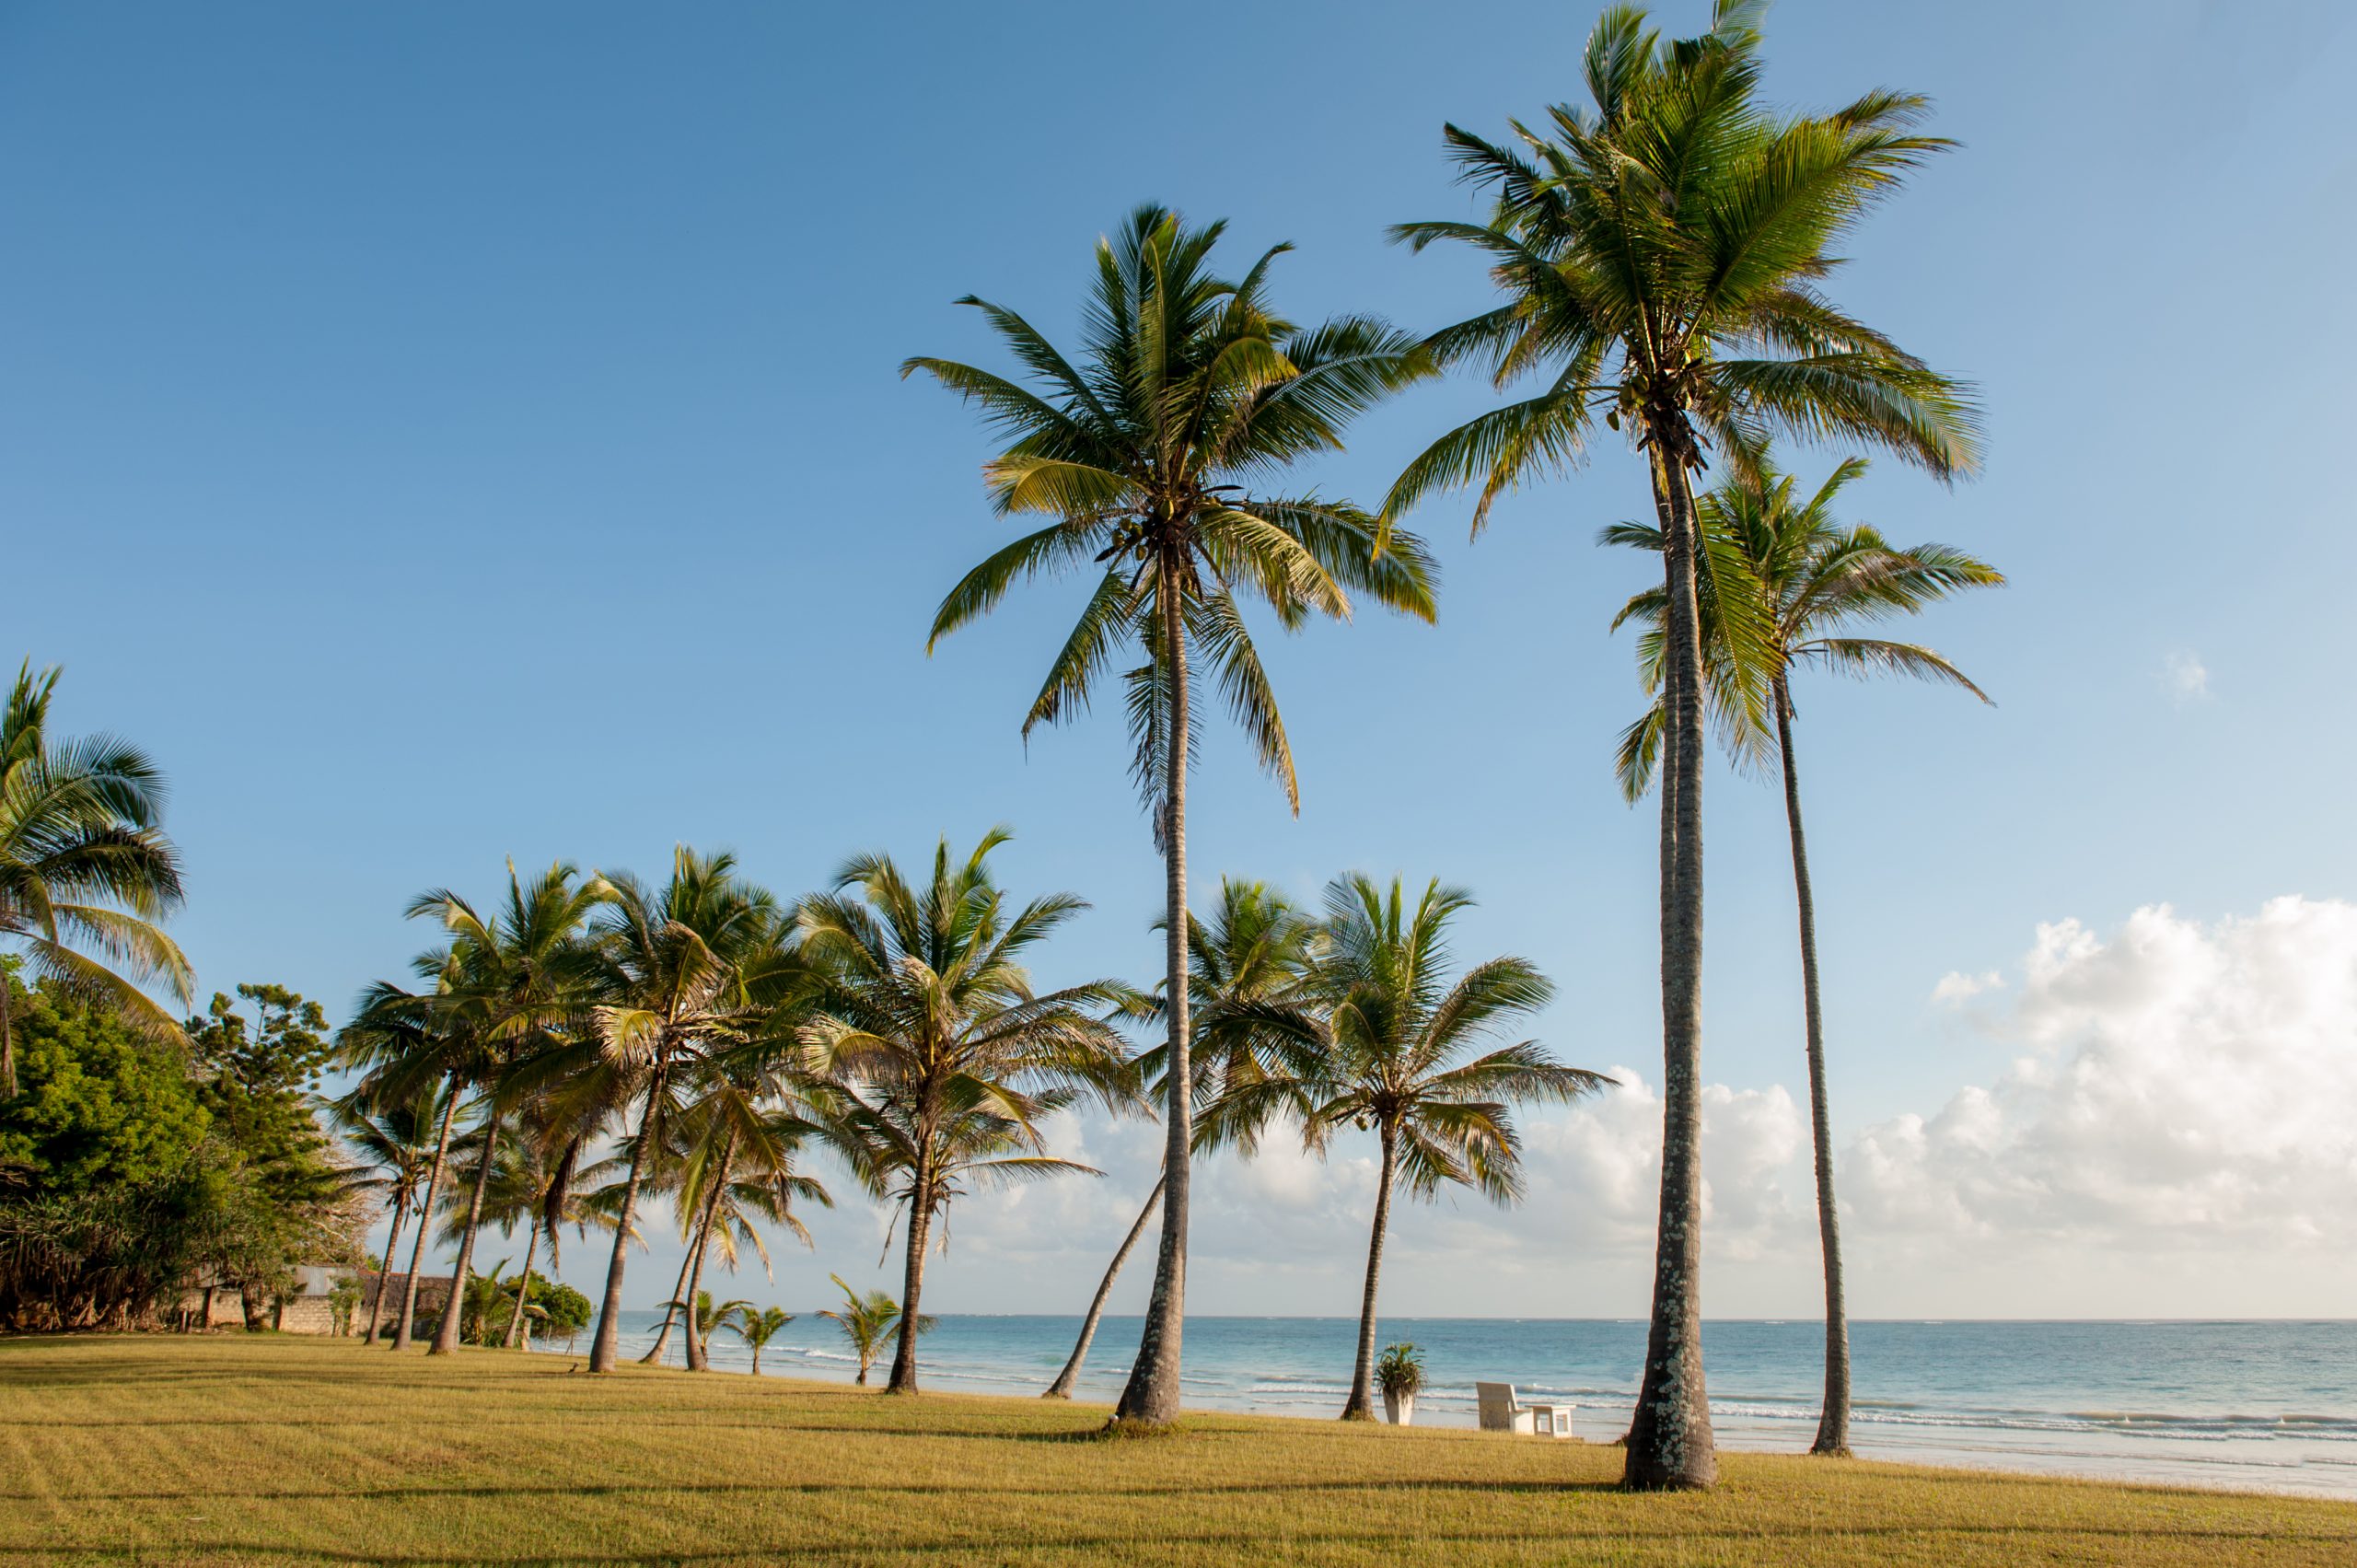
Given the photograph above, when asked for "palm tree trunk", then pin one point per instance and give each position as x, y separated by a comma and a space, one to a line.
393, 1245
671, 1308
523, 1284
1833, 1425
603, 1350
1151, 1396
445, 1338
1061, 1387
7, 1046
904, 1354
1360, 1405
1670, 1444
408, 1324
697, 1360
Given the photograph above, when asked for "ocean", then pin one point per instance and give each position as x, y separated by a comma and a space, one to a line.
2269, 1405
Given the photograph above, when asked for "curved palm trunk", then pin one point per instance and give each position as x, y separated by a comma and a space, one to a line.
1151, 1396
1670, 1445
393, 1245
670, 1308
1833, 1425
408, 1324
904, 1354
523, 1284
1361, 1406
604, 1349
698, 1361
7, 1046
446, 1336
1061, 1387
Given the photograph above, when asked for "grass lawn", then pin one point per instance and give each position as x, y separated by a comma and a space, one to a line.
230, 1449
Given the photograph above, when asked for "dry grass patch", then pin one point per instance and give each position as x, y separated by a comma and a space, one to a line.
270, 1451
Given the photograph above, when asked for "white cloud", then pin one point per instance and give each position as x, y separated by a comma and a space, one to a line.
1957, 987
2186, 677
2183, 1087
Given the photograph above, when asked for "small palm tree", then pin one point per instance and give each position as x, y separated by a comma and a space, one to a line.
1659, 253
708, 1316
84, 864
1392, 1059
1813, 586
948, 1060
866, 1320
758, 1329
399, 1143
1152, 454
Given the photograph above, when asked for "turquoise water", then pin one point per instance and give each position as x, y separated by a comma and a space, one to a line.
2253, 1404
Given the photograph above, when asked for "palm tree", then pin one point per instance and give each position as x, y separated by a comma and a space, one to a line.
1150, 455
866, 1320
744, 1177
758, 1329
84, 864
1392, 1059
705, 1316
402, 1040
947, 1057
1246, 963
1660, 254
399, 1140
1814, 584
521, 976
685, 969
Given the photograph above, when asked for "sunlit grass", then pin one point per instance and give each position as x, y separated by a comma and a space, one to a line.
228, 1449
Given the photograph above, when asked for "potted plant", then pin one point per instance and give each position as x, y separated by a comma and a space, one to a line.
1401, 1373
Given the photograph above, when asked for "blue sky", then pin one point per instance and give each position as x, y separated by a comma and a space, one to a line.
445, 432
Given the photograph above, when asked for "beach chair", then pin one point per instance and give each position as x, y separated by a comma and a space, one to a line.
1503, 1411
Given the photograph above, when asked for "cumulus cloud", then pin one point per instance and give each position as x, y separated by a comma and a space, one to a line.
2180, 1084
1957, 987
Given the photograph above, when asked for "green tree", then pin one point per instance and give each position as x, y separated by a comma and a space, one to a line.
1152, 455
865, 1321
1660, 253
100, 1104
85, 868
407, 1049
1394, 1057
1816, 585
948, 1059
398, 1142
758, 1329
685, 971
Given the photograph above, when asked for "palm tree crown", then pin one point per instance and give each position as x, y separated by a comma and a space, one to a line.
84, 864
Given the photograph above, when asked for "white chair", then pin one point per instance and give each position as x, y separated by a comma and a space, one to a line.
1501, 1412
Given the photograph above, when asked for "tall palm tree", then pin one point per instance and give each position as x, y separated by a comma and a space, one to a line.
742, 1179
1660, 253
85, 868
1816, 585
1392, 1059
1152, 455
522, 975
1245, 966
685, 969
949, 1059
866, 1320
399, 1142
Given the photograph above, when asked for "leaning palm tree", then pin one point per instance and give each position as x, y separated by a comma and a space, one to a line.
1660, 253
749, 1181
758, 1329
1152, 455
85, 868
704, 1316
522, 976
1245, 966
399, 1143
1816, 585
866, 1320
1392, 1059
684, 970
947, 1058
